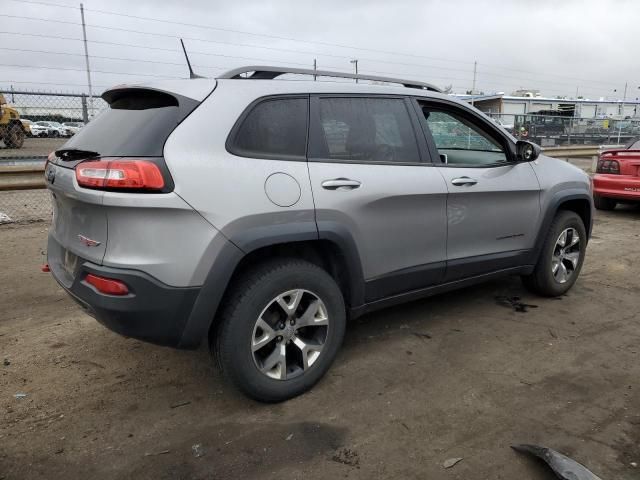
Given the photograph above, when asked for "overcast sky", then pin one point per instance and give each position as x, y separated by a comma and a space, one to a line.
554, 46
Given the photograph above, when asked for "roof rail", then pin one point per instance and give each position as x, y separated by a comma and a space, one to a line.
269, 73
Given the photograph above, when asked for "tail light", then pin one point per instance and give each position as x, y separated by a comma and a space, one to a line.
120, 174
107, 285
608, 166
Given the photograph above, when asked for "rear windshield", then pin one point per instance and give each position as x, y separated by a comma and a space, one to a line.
137, 123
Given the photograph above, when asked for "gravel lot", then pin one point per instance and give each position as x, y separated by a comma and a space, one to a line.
459, 375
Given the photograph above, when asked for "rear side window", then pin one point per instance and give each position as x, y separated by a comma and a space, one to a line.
137, 123
365, 130
274, 128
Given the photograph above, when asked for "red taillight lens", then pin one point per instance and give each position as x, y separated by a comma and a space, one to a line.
107, 285
608, 166
120, 174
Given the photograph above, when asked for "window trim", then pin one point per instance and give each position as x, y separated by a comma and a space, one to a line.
316, 135
230, 143
484, 126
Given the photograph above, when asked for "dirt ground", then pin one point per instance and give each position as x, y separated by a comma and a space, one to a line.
459, 375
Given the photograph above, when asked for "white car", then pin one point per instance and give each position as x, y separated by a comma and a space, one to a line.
507, 126
39, 129
54, 129
71, 128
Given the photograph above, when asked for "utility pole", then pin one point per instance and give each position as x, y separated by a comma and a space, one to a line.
86, 58
473, 88
355, 63
13, 100
315, 67
624, 98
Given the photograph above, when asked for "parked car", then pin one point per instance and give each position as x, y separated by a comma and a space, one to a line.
54, 129
504, 124
39, 129
259, 215
617, 178
71, 128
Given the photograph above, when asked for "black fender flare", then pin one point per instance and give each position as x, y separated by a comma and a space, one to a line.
238, 246
553, 206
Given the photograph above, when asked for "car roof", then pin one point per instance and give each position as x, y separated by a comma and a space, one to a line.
280, 80
199, 89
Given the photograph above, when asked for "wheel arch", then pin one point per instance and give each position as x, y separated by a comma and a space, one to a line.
332, 248
575, 200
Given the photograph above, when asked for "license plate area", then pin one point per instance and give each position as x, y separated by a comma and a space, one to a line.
70, 263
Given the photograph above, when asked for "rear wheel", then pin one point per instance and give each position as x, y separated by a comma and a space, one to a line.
14, 136
604, 203
280, 329
561, 258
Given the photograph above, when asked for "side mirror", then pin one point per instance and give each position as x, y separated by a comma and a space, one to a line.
527, 151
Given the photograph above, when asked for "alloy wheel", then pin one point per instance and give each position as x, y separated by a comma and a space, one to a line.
290, 334
566, 255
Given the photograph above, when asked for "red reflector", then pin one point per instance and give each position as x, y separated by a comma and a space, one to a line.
107, 285
120, 174
45, 268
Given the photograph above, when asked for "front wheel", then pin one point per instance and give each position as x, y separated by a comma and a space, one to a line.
561, 258
280, 329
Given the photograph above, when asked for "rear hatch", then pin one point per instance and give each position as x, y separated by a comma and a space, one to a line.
131, 134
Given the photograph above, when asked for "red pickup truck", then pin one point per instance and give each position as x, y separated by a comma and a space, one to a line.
617, 177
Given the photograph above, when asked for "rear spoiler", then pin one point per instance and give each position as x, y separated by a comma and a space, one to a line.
621, 153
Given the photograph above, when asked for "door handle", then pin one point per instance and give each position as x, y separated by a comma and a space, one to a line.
340, 184
459, 182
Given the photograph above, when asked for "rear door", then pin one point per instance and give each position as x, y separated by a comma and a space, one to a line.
493, 204
369, 178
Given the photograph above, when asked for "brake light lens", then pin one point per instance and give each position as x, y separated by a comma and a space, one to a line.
107, 285
608, 166
129, 174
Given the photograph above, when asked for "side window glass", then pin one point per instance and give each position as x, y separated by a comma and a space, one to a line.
274, 128
366, 130
460, 142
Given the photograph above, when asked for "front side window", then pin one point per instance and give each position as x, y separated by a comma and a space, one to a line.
365, 130
274, 128
461, 142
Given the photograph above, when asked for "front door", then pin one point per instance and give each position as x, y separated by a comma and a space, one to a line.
368, 178
493, 204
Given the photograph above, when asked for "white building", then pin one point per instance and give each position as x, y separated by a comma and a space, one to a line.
581, 108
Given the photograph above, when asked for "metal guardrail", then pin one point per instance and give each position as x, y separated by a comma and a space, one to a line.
19, 177
577, 151
28, 173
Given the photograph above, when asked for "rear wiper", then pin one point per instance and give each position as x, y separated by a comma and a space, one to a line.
70, 154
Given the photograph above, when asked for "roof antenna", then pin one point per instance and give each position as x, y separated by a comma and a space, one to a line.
191, 74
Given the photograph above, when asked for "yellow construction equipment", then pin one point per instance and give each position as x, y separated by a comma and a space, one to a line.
12, 131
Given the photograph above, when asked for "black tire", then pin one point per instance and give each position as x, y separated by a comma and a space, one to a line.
604, 203
14, 136
246, 299
542, 280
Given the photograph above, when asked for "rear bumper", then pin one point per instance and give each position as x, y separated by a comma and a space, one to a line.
622, 187
152, 311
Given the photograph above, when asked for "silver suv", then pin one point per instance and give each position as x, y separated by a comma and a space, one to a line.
260, 214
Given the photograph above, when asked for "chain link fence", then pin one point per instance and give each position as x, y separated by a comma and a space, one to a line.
33, 124
561, 131
25, 206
